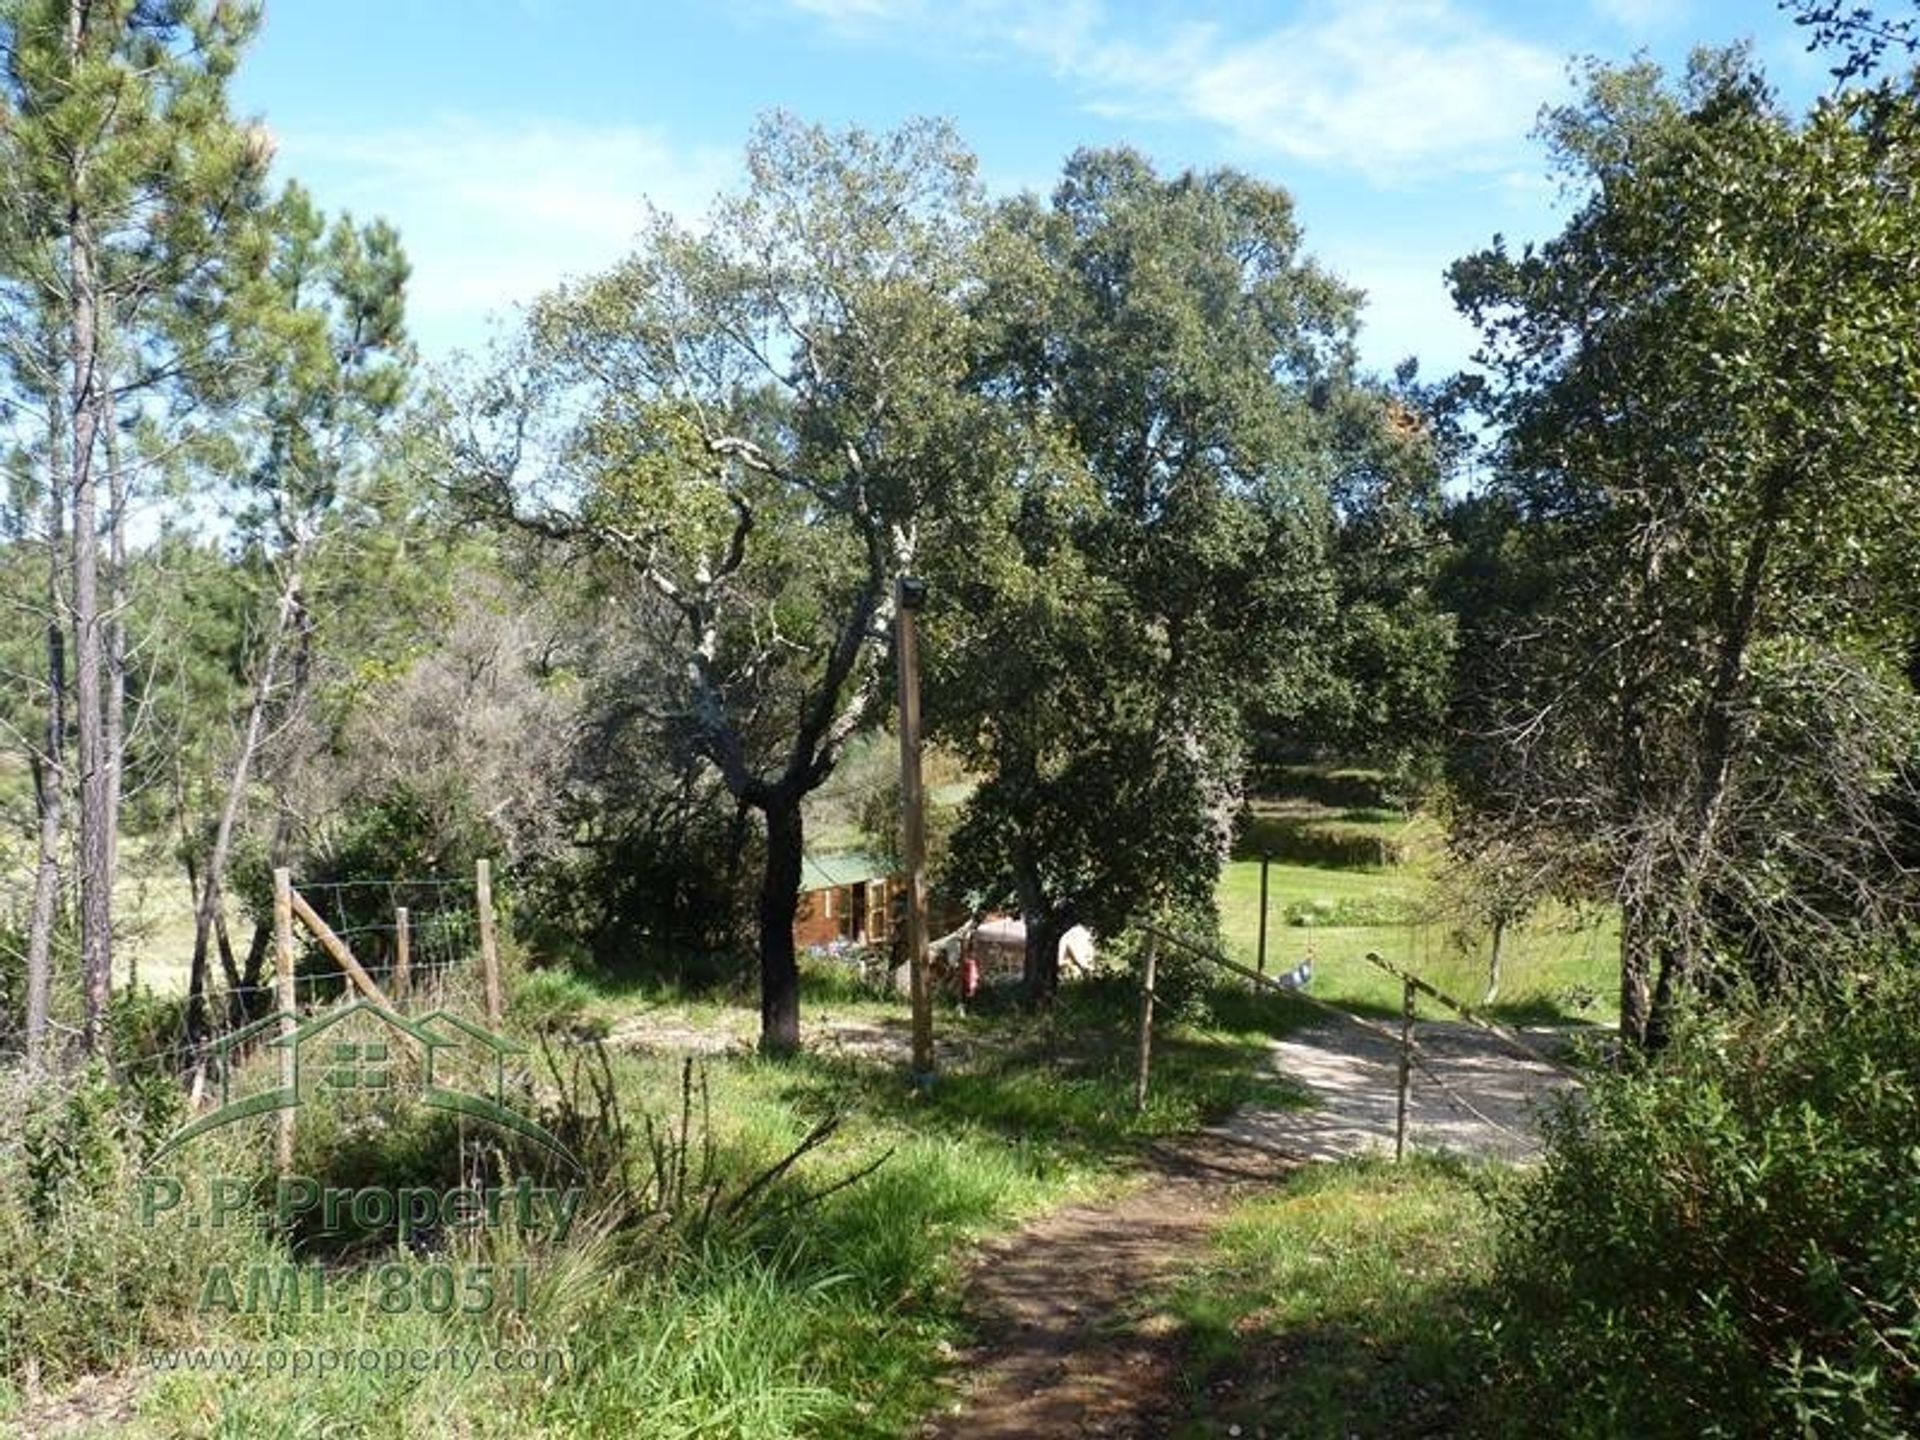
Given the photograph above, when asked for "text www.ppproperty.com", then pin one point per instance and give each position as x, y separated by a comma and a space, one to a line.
461, 1360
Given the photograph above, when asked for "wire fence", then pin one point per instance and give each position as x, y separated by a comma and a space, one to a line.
442, 925
1414, 1055
435, 922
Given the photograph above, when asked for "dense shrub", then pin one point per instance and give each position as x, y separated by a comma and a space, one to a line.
1352, 839
1727, 1242
663, 893
1274, 772
1183, 979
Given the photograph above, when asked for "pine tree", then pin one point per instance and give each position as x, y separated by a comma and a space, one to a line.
131, 225
332, 365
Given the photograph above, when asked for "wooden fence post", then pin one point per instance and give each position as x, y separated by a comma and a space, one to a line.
489, 956
1260, 959
1146, 1027
1406, 1069
284, 997
337, 948
402, 955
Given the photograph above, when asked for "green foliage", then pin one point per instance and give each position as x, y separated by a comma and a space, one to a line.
555, 1001
659, 890
1688, 593
1334, 787
413, 845
1158, 559
91, 1280
879, 808
13, 981
333, 365
423, 830
72, 1143
1723, 1242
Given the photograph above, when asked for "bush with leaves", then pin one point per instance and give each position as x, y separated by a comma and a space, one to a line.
1724, 1242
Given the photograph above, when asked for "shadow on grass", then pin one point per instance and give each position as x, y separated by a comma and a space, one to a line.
1060, 1083
1347, 1304
1279, 1014
1337, 1378
1545, 1010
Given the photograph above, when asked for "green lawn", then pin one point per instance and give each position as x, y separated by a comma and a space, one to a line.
1549, 966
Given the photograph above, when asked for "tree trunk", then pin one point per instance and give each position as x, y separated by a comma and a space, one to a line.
1637, 947
86, 404
1040, 972
96, 776
212, 884
49, 775
779, 903
1671, 972
114, 728
1045, 924
1493, 960
1681, 939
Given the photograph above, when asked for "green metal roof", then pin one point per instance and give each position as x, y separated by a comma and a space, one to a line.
824, 872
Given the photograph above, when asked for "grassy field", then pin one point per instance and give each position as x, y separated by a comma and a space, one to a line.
1342, 1305
1560, 966
154, 912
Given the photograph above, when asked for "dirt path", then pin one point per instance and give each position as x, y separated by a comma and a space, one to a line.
1061, 1352
1484, 1105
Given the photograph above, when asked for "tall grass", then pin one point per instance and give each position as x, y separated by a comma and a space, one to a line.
830, 1309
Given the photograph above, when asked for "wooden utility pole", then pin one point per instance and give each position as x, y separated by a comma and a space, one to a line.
908, 595
283, 994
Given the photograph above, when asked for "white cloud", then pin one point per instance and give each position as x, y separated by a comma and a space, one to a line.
1392, 90
493, 213
1395, 90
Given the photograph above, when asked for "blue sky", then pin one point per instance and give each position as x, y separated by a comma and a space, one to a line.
512, 141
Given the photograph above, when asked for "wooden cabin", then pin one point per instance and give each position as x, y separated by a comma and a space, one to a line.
851, 900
